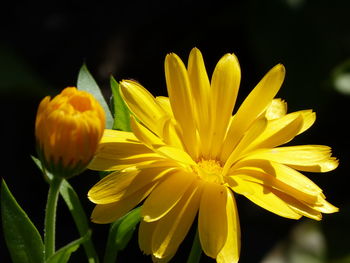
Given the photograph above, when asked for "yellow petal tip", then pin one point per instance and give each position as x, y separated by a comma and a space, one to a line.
149, 219
281, 67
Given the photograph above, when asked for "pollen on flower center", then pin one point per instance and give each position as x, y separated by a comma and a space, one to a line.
209, 170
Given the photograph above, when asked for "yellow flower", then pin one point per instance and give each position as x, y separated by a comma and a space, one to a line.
187, 154
68, 129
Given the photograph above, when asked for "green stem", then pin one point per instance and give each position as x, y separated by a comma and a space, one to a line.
111, 252
196, 250
75, 207
50, 217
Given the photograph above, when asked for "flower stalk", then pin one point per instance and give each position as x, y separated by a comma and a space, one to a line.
50, 217
68, 129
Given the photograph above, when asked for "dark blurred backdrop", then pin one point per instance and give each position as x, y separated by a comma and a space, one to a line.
43, 45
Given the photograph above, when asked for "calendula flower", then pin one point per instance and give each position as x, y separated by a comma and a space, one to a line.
187, 155
68, 129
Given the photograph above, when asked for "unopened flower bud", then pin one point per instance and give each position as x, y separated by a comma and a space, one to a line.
68, 129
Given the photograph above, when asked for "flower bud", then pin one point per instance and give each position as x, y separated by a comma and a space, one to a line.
68, 129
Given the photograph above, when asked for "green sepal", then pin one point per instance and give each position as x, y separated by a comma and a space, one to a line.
87, 82
120, 233
120, 110
22, 238
63, 254
57, 168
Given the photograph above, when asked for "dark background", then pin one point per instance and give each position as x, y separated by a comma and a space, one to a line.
43, 46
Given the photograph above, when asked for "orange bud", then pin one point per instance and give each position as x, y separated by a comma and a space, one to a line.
68, 129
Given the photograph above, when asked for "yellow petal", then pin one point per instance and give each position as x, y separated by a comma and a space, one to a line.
122, 151
166, 196
145, 235
176, 154
264, 197
326, 166
309, 118
179, 90
109, 163
257, 128
212, 220
223, 93
230, 252
282, 178
164, 259
118, 150
118, 185
298, 206
144, 135
310, 158
239, 186
172, 228
120, 145
277, 109
274, 174
155, 143
118, 136
200, 87
278, 132
108, 213
253, 105
143, 105
324, 207
164, 103
123, 145
171, 134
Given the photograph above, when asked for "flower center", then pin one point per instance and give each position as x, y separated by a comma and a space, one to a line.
209, 170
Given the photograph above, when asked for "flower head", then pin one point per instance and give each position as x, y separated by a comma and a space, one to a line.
68, 129
188, 155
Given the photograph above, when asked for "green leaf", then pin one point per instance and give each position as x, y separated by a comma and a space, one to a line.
120, 234
121, 111
63, 254
127, 227
75, 207
22, 238
86, 82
